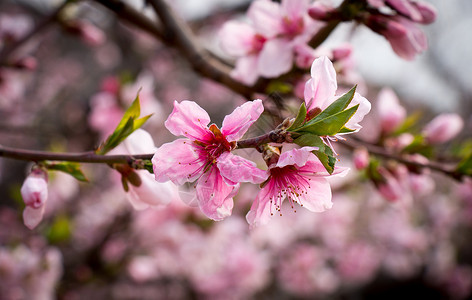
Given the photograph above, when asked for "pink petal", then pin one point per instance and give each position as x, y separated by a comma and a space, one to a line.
406, 8
412, 42
139, 142
214, 196
236, 38
391, 112
362, 110
322, 86
266, 17
443, 128
318, 195
238, 169
150, 192
238, 122
244, 70
297, 157
276, 58
34, 191
178, 161
294, 8
32, 216
260, 213
188, 119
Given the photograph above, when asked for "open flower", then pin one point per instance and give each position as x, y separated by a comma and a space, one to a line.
297, 176
205, 155
321, 88
266, 47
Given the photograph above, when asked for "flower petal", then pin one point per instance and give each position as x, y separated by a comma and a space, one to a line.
188, 119
32, 216
150, 192
266, 17
244, 69
318, 195
214, 196
178, 161
260, 212
236, 38
139, 142
297, 157
322, 86
238, 169
237, 123
276, 58
362, 110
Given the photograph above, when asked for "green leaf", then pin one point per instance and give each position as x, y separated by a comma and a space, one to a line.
59, 231
329, 126
346, 130
327, 158
279, 87
465, 166
324, 153
408, 124
337, 106
128, 124
301, 115
311, 140
70, 168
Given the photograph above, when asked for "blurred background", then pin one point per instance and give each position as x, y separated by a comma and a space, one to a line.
68, 89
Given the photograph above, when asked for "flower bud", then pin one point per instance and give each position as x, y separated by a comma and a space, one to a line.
443, 128
391, 113
35, 193
427, 11
320, 11
361, 158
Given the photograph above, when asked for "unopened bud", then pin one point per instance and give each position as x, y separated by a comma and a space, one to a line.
443, 128
35, 193
320, 11
391, 113
427, 11
361, 158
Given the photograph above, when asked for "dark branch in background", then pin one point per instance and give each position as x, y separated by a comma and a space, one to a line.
9, 49
85, 157
382, 152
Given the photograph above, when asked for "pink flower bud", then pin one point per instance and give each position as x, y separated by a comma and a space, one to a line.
342, 52
427, 11
88, 32
35, 193
390, 188
361, 158
320, 11
443, 128
391, 113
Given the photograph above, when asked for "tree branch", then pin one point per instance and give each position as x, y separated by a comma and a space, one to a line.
9, 49
380, 151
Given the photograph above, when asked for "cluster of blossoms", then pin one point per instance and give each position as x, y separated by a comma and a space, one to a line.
204, 156
397, 181
278, 35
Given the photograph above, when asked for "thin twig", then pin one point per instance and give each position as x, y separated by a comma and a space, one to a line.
8, 50
380, 151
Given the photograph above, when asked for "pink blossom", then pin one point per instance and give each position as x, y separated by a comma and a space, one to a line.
406, 39
443, 128
298, 176
35, 194
266, 46
321, 88
361, 158
390, 111
205, 155
149, 193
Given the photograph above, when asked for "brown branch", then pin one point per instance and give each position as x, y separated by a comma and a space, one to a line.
85, 157
8, 50
382, 152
